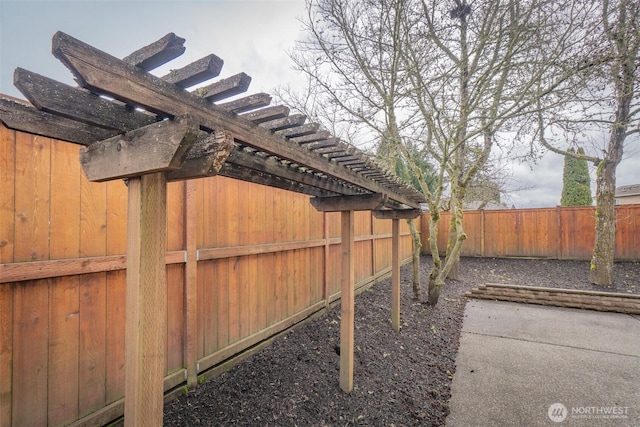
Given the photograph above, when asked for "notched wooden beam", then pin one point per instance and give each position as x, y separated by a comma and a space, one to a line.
225, 88
285, 123
103, 73
247, 103
314, 137
157, 53
206, 157
197, 72
364, 202
63, 100
267, 114
303, 130
331, 143
396, 213
16, 115
154, 148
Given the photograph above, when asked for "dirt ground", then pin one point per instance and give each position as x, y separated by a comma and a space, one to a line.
400, 379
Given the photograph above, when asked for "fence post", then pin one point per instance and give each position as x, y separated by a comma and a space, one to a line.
395, 274
347, 302
190, 283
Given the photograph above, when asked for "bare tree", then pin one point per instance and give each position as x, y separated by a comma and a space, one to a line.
608, 104
477, 71
449, 77
353, 64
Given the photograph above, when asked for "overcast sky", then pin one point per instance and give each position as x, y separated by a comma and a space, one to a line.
250, 36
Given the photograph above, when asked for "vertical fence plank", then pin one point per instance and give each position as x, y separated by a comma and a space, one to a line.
115, 335
64, 229
174, 342
92, 363
222, 281
209, 286
93, 242
7, 195
242, 265
64, 319
33, 163
6, 353
116, 217
30, 332
7, 226
116, 244
209, 303
63, 350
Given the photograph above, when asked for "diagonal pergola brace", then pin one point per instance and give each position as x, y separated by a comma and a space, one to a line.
158, 147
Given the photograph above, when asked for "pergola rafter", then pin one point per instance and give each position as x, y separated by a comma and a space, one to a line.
151, 130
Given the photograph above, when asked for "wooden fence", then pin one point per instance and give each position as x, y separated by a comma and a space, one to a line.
562, 233
244, 262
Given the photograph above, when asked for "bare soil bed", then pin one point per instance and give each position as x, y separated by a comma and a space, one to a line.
401, 379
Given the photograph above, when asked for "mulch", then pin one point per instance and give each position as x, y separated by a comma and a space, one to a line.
400, 379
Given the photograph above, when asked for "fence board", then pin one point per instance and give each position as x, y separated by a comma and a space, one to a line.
175, 216
269, 260
64, 229
115, 335
627, 232
93, 218
116, 217
563, 233
30, 350
222, 287
174, 343
7, 195
63, 350
209, 303
6, 354
32, 199
92, 364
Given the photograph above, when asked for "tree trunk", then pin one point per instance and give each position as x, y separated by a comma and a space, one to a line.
605, 243
433, 287
454, 272
437, 277
417, 245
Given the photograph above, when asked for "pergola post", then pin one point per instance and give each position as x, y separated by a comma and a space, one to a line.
347, 302
395, 216
146, 300
395, 274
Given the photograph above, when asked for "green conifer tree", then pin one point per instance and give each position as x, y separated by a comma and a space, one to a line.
576, 182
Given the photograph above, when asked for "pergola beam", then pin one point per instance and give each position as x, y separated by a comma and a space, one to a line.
159, 147
197, 72
364, 202
98, 70
157, 53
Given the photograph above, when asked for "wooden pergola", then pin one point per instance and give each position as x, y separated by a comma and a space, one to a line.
150, 130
